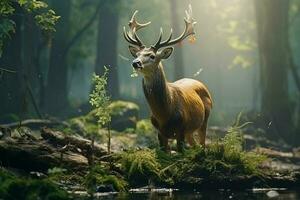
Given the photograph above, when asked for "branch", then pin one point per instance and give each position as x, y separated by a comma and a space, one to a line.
7, 70
81, 31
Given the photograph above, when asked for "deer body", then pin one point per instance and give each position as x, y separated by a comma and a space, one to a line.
179, 108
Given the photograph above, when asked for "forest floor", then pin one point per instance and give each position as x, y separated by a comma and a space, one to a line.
57, 157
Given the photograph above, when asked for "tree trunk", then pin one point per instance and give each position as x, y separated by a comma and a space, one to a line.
56, 90
107, 46
178, 55
272, 29
30, 43
12, 97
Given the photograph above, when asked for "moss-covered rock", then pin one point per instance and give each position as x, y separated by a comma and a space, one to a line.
146, 134
124, 115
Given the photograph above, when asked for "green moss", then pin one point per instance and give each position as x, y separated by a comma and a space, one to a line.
120, 107
87, 124
13, 187
100, 175
223, 158
140, 166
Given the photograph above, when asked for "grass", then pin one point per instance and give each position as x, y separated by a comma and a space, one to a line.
140, 166
223, 158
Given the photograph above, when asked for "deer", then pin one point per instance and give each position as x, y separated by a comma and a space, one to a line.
178, 109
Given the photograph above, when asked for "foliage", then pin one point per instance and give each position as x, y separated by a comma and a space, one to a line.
237, 29
7, 27
99, 175
100, 100
45, 18
13, 187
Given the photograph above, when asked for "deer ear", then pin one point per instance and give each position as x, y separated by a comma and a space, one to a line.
133, 50
165, 53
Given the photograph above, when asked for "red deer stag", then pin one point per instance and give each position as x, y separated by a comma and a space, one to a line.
180, 108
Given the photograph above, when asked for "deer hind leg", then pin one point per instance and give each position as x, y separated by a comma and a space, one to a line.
202, 129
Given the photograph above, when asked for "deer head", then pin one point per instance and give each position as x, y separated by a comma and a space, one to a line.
147, 58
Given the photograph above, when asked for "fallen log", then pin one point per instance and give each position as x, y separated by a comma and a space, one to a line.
84, 145
35, 124
37, 156
280, 155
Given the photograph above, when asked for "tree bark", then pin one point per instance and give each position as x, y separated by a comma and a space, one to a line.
272, 29
56, 89
107, 46
178, 54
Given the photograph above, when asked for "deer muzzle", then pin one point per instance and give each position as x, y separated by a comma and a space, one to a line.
137, 64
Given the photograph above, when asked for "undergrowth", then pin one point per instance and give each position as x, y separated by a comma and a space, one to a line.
14, 187
102, 175
223, 158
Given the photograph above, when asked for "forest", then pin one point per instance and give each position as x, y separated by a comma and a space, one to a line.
96, 102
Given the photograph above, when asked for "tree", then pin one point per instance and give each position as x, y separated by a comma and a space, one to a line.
56, 99
272, 32
14, 86
100, 101
178, 54
107, 45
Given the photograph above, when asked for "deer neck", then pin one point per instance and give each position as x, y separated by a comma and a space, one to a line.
157, 93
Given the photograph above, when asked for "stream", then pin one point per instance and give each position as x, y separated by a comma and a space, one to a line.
260, 193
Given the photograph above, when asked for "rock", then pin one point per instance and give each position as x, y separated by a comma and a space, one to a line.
124, 115
105, 188
272, 194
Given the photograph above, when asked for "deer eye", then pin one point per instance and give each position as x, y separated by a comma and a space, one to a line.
152, 57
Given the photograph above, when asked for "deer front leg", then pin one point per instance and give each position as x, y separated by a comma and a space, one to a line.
180, 142
163, 142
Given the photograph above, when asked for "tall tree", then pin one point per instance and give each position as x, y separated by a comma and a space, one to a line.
178, 55
11, 87
107, 45
272, 28
56, 99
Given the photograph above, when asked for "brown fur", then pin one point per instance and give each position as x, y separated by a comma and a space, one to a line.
178, 109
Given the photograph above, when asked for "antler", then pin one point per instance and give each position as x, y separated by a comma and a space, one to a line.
189, 30
131, 36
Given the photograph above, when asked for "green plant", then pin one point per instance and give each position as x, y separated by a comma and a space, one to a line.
45, 18
100, 100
